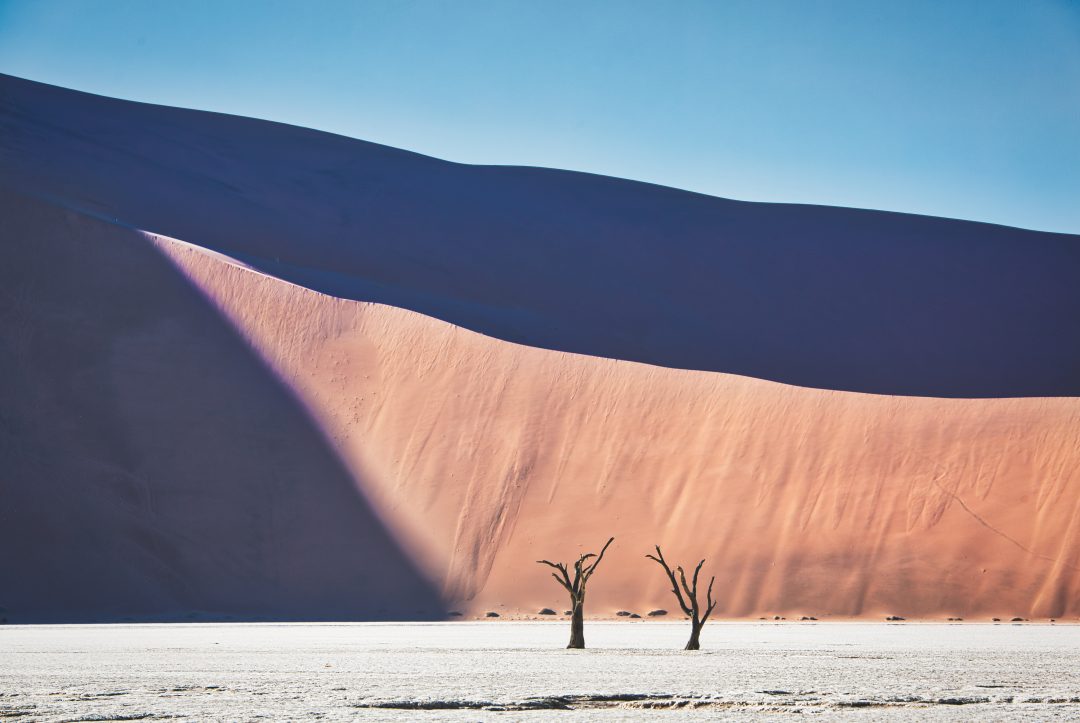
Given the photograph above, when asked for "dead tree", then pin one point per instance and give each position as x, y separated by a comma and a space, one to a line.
583, 570
688, 593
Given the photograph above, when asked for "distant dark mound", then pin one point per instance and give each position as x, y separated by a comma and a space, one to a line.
824, 297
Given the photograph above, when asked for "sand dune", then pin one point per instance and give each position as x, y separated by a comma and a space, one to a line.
824, 297
213, 423
484, 454
154, 457
152, 466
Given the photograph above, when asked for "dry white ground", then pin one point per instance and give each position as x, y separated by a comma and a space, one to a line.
519, 670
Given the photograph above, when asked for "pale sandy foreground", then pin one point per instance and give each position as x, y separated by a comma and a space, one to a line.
518, 670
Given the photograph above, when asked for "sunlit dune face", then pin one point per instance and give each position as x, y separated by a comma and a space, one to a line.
483, 455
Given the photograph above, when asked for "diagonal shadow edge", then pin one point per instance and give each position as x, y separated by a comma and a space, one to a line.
153, 466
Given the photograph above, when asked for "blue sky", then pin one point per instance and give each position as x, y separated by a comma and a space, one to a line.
967, 109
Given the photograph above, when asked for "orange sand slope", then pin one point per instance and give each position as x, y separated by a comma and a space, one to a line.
483, 455
184, 434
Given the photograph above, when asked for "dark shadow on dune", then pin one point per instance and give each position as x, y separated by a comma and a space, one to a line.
835, 298
151, 466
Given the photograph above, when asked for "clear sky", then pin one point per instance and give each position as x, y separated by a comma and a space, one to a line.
968, 109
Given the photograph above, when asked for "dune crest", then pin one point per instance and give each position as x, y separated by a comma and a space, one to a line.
833, 298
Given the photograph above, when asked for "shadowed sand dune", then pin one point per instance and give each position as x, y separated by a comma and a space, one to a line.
181, 432
151, 466
824, 297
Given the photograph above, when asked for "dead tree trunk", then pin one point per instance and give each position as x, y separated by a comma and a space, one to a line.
688, 594
577, 625
583, 570
694, 643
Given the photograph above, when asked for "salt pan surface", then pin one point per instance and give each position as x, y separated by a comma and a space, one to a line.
520, 671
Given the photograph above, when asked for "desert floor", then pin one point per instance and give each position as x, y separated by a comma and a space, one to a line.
519, 670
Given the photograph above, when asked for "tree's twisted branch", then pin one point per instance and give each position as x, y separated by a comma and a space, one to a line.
561, 567
659, 558
583, 570
709, 601
592, 568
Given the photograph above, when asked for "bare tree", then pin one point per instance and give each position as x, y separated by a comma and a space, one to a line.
583, 570
688, 593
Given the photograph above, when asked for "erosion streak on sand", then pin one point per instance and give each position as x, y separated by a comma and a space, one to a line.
996, 531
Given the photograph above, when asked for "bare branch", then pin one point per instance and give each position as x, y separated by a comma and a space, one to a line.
592, 568
558, 579
557, 565
565, 580
659, 559
709, 601
682, 577
696, 571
